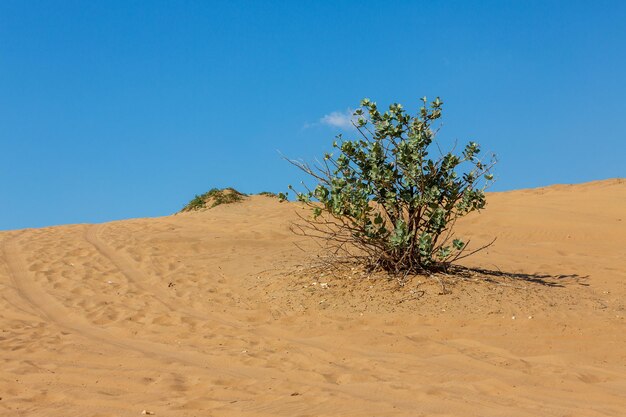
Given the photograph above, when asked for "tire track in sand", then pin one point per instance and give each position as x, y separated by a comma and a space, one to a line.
52, 311
136, 277
140, 279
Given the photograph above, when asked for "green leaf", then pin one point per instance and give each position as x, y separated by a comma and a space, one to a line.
444, 253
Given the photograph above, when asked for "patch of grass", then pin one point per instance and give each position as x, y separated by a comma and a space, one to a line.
213, 198
268, 194
196, 204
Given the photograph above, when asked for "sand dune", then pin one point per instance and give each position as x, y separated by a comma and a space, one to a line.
217, 313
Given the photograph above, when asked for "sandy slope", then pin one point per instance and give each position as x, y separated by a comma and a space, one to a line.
217, 314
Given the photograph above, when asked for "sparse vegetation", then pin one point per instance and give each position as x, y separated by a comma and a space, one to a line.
384, 201
268, 194
214, 198
196, 203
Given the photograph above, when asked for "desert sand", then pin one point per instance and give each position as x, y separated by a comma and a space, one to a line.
219, 313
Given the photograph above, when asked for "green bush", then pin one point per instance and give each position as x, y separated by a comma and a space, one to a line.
213, 198
384, 200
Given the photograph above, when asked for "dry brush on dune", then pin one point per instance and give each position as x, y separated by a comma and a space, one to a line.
213, 198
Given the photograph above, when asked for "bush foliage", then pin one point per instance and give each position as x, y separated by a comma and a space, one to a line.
390, 197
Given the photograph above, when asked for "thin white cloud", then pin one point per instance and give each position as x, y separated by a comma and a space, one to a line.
337, 119
342, 120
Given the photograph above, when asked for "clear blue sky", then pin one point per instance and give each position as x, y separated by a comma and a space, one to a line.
111, 110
